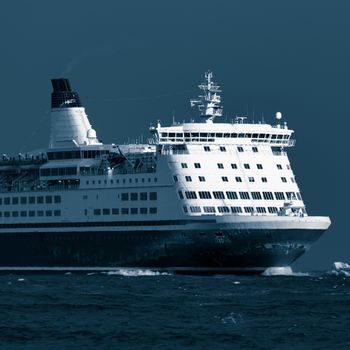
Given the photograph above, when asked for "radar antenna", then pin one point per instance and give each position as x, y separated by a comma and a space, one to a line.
209, 104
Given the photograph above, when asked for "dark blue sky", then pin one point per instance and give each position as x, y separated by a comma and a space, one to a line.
134, 62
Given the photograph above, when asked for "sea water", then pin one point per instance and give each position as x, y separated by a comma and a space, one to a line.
144, 309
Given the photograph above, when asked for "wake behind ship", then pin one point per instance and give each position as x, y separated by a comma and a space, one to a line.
199, 196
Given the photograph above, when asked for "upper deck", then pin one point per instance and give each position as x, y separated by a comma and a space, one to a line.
224, 133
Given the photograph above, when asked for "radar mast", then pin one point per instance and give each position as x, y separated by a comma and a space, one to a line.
209, 104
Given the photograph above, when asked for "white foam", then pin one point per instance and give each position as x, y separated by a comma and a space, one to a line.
341, 269
341, 265
283, 271
136, 272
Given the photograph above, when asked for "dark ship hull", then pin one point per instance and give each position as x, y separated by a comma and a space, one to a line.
193, 251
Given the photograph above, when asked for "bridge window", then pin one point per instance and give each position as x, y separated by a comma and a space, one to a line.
224, 178
201, 178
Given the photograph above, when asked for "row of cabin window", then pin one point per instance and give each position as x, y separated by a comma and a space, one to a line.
58, 171
76, 154
124, 211
30, 200
223, 149
143, 196
188, 178
29, 213
234, 210
225, 135
234, 166
242, 195
117, 181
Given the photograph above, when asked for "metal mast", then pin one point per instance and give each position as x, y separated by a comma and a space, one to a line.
209, 104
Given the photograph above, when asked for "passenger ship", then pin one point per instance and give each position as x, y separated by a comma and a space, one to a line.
199, 196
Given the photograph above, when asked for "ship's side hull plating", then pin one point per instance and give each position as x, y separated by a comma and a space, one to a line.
225, 249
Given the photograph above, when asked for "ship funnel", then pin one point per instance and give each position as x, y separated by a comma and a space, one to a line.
69, 123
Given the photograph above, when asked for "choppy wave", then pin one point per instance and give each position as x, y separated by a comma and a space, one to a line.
341, 269
283, 271
136, 272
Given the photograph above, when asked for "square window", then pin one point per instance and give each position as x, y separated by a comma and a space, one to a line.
133, 196
133, 211
57, 212
40, 200
115, 211
14, 200
7, 200
15, 214
97, 211
143, 210
57, 199
153, 196
143, 196
105, 211
7, 214
125, 196
40, 213
125, 211
23, 213
48, 199
31, 213
153, 210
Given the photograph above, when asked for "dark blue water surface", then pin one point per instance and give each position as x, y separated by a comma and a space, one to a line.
147, 310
